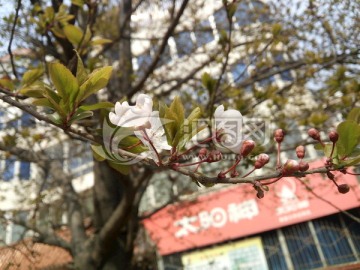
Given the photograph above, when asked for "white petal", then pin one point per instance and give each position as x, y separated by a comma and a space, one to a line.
231, 115
120, 109
114, 118
219, 111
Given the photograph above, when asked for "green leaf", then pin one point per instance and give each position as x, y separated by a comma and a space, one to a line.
100, 41
80, 115
7, 83
354, 115
78, 3
43, 102
276, 29
100, 105
65, 83
54, 99
178, 109
131, 144
73, 34
81, 73
170, 125
31, 76
97, 80
349, 136
327, 152
188, 129
350, 162
98, 152
208, 82
124, 169
162, 109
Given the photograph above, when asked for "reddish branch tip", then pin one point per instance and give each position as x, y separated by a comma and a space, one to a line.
260, 194
343, 188
300, 151
333, 136
261, 161
279, 135
247, 147
290, 166
234, 174
303, 166
314, 133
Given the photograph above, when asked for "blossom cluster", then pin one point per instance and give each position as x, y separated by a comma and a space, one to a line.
148, 127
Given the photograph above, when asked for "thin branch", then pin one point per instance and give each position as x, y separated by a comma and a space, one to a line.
329, 202
27, 108
224, 65
162, 47
121, 31
12, 38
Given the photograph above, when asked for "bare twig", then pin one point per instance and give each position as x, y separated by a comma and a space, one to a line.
329, 202
162, 47
12, 38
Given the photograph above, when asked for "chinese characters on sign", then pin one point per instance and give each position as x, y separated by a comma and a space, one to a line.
235, 212
216, 217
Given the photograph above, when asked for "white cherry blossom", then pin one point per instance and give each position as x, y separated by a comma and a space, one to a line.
136, 116
228, 129
155, 134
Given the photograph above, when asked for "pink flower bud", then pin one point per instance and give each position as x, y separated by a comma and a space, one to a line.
303, 166
314, 133
247, 147
290, 166
221, 175
333, 136
260, 194
261, 160
330, 175
343, 188
203, 153
234, 174
279, 135
300, 151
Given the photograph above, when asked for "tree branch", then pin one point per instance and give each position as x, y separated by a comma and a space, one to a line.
27, 108
157, 57
12, 38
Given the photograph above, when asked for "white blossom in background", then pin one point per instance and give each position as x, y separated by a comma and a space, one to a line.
156, 134
136, 116
228, 129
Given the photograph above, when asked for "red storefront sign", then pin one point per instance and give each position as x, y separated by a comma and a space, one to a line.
236, 212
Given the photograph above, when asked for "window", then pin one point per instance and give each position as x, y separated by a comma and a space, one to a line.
272, 249
165, 56
80, 162
203, 33
18, 231
301, 245
8, 171
353, 228
184, 44
1, 120
24, 170
143, 61
333, 241
27, 120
